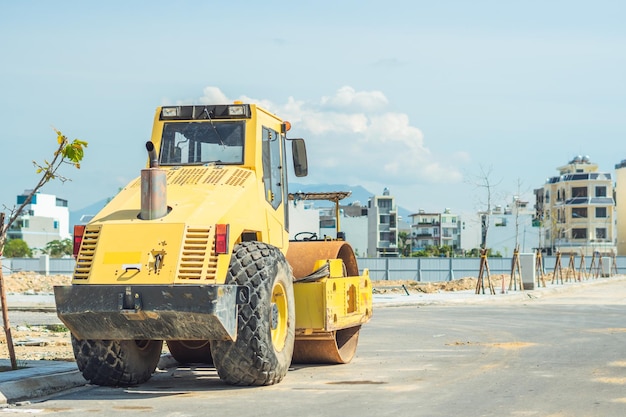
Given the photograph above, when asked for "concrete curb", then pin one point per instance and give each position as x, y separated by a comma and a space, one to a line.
469, 297
38, 379
40, 386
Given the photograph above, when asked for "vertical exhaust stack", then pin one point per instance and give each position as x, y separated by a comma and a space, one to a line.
153, 188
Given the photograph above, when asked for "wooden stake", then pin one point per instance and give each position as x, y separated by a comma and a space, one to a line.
571, 268
599, 270
539, 269
5, 308
516, 272
582, 271
558, 273
484, 267
592, 266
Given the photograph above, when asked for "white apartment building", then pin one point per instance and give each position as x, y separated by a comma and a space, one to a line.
44, 219
577, 210
305, 218
511, 226
382, 226
435, 229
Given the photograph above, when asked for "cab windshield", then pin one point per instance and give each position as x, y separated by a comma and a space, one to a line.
197, 143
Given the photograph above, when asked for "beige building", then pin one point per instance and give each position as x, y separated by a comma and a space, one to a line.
577, 210
620, 208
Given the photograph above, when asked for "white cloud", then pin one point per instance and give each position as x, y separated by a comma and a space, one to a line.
213, 95
333, 123
351, 137
348, 98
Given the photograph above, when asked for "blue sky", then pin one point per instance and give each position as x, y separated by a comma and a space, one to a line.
417, 96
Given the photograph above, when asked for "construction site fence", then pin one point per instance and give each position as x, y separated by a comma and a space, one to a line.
390, 269
449, 269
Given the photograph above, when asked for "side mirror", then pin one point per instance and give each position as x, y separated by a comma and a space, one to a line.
298, 151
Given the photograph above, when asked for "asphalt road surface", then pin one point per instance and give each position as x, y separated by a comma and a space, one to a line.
558, 356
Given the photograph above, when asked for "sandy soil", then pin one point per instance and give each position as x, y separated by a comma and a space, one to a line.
36, 342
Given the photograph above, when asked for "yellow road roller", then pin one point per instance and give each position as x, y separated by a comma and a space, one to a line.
196, 252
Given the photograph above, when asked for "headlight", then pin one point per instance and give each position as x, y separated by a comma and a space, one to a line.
236, 111
169, 112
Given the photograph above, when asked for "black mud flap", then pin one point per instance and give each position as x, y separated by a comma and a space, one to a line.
150, 312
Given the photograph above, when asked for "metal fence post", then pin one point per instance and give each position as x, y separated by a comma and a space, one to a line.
44, 264
419, 269
387, 269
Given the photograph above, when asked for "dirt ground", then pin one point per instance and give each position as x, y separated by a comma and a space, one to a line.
53, 342
31, 342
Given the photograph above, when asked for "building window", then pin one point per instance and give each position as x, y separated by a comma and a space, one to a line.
600, 191
327, 223
270, 155
579, 192
601, 212
384, 203
22, 198
56, 224
579, 212
500, 222
579, 233
601, 233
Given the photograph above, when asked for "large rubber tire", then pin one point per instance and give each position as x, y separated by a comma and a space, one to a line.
117, 362
262, 353
190, 351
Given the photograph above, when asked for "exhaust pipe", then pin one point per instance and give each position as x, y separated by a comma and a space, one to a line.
153, 188
152, 155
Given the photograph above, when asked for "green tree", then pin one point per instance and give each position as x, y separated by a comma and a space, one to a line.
404, 244
17, 248
475, 253
59, 248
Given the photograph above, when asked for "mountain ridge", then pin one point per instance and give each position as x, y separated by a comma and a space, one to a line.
359, 194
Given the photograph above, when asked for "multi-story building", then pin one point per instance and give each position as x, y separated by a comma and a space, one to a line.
576, 210
450, 230
353, 224
510, 227
435, 229
425, 230
305, 218
44, 219
620, 207
382, 226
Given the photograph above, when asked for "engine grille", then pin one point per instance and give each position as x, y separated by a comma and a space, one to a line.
194, 262
202, 175
84, 260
